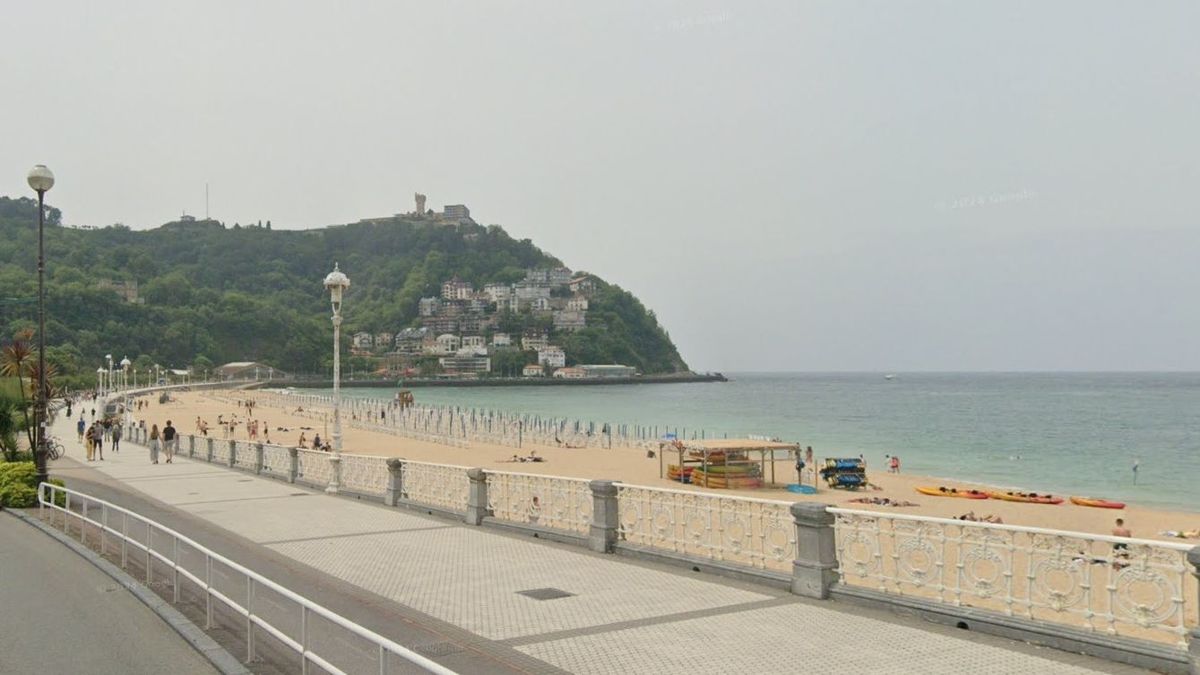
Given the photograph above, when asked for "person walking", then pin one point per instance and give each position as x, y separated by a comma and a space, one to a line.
89, 444
116, 437
169, 438
98, 439
154, 444
81, 427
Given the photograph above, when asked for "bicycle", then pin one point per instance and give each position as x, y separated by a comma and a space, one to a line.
54, 448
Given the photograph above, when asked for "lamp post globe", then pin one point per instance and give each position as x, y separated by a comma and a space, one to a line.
41, 180
336, 282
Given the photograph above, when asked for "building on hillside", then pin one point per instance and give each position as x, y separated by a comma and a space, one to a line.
571, 373
533, 370
477, 305
570, 321
457, 289
248, 370
457, 212
474, 323
410, 340
533, 340
440, 324
429, 306
128, 290
614, 370
501, 340
577, 304
363, 340
497, 292
448, 343
462, 364
384, 340
556, 276
528, 290
474, 341
539, 305
552, 357
582, 284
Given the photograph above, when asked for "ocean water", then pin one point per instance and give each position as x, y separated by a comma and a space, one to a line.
1076, 433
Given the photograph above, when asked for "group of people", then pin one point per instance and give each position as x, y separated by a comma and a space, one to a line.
166, 440
107, 430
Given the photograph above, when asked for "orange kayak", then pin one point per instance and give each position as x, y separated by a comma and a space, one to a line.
1027, 498
951, 492
1097, 503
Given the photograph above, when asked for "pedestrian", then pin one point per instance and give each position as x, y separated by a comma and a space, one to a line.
98, 439
154, 444
90, 445
1121, 549
116, 437
81, 427
894, 464
93, 413
169, 439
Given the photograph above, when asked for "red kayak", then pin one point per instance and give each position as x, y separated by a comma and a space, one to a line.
1097, 503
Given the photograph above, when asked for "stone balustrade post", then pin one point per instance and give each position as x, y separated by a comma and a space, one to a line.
1193, 557
232, 453
814, 571
395, 486
335, 473
602, 536
191, 445
209, 450
476, 496
258, 457
293, 464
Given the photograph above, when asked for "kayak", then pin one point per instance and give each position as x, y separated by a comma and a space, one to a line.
1029, 499
1096, 502
951, 492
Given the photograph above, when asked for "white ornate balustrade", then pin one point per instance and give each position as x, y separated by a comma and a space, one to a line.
313, 467
441, 485
276, 460
366, 474
1133, 587
548, 501
757, 533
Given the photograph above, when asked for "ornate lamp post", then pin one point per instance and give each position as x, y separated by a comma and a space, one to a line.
337, 283
100, 381
41, 180
125, 364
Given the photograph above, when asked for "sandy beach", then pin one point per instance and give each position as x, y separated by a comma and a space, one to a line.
633, 466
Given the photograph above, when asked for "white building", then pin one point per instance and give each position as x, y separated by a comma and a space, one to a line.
552, 357
501, 340
410, 340
363, 340
457, 289
613, 370
383, 340
533, 370
534, 341
570, 321
497, 292
539, 304
448, 343
429, 306
577, 304
528, 290
570, 373
461, 364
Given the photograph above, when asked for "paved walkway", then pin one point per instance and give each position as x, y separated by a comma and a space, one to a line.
63, 615
617, 616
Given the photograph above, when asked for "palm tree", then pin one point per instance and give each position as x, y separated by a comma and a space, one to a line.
16, 360
9, 426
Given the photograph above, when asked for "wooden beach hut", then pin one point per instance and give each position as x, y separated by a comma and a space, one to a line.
726, 463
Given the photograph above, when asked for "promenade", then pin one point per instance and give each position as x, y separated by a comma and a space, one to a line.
478, 600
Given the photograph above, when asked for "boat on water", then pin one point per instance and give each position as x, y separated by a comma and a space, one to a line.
1096, 502
889, 376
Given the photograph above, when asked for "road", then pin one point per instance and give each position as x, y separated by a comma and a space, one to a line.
60, 614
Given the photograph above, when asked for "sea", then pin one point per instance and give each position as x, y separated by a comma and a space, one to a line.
1062, 433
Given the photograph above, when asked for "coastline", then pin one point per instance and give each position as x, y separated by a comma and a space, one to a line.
405, 383
632, 466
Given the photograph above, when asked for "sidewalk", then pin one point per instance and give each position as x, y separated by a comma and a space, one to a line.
597, 614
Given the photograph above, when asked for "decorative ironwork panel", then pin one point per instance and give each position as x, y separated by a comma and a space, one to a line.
365, 473
246, 457
276, 460
220, 448
752, 532
440, 485
549, 501
314, 467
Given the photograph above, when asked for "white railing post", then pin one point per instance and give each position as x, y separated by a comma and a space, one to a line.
395, 486
1193, 558
814, 571
602, 535
476, 496
293, 464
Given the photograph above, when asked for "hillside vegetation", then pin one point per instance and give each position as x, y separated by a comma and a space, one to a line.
214, 294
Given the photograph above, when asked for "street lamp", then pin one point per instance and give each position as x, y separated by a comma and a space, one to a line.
100, 381
337, 283
41, 179
125, 364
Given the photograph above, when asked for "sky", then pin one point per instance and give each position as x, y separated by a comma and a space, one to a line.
879, 186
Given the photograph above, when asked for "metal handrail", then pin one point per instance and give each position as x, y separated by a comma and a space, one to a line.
47, 494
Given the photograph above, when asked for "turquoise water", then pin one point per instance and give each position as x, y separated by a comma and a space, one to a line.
1061, 433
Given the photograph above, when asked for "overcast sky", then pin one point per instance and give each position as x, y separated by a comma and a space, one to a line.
991, 185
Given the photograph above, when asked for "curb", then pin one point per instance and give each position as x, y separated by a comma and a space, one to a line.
214, 653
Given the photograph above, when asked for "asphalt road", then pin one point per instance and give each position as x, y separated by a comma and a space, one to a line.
59, 614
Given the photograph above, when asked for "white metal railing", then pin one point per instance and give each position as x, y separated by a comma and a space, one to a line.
550, 501
758, 533
1113, 585
49, 496
441, 485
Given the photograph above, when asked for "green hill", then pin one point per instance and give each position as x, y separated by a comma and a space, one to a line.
253, 293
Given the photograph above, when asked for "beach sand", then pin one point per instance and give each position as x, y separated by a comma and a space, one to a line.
633, 466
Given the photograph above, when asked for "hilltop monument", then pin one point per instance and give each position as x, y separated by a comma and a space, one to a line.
420, 203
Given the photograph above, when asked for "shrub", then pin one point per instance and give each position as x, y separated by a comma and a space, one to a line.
17, 496
24, 473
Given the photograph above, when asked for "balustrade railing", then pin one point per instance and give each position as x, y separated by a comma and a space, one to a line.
366, 474
756, 533
1117, 586
440, 485
313, 467
549, 501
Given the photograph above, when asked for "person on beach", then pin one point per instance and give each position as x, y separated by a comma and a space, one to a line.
1121, 549
169, 439
316, 442
303, 442
154, 444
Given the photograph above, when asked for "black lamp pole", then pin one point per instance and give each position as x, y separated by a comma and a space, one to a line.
41, 179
